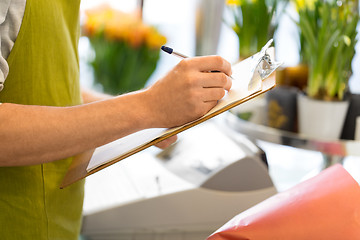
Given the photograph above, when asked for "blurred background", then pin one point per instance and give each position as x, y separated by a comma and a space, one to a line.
179, 22
234, 30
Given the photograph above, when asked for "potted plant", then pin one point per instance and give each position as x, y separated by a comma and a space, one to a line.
254, 22
126, 49
328, 36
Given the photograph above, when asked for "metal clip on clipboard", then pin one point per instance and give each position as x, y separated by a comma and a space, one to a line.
263, 67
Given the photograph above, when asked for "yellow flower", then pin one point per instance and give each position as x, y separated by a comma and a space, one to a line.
302, 4
237, 3
234, 2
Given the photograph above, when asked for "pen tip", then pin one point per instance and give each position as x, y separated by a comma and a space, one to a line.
167, 49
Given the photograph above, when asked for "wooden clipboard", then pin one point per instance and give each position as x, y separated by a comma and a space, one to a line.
78, 168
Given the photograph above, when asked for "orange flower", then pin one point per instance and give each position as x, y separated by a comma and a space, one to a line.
119, 26
96, 18
154, 39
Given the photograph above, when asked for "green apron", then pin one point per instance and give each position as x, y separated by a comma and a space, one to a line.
44, 70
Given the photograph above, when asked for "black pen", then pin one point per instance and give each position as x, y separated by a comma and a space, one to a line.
169, 50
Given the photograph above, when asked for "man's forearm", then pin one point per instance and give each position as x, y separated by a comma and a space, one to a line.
38, 134
90, 96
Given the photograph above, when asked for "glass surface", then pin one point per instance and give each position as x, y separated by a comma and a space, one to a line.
341, 148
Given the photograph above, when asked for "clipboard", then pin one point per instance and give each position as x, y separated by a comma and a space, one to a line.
251, 78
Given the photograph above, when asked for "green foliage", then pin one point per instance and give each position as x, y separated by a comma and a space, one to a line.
255, 22
245, 115
120, 68
328, 37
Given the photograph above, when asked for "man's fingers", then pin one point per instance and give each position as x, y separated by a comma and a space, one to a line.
216, 79
209, 63
167, 142
209, 105
212, 94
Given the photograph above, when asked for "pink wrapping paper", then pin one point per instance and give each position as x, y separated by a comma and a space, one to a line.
326, 206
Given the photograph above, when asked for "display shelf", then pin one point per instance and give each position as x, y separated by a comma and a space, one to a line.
333, 150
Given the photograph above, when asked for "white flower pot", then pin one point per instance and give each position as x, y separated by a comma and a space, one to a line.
321, 119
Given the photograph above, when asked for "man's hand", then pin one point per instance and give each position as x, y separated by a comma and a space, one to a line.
167, 142
189, 91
